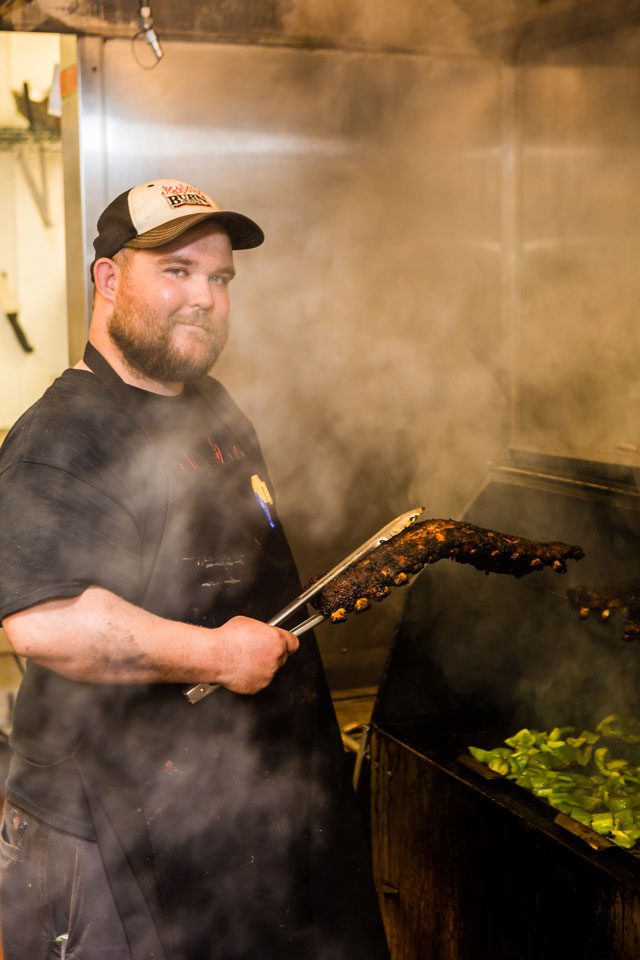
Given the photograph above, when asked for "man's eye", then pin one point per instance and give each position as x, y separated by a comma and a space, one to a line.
219, 279
177, 271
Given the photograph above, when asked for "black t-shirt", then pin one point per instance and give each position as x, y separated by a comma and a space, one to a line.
177, 497
228, 828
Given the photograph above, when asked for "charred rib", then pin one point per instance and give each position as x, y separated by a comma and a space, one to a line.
607, 600
391, 563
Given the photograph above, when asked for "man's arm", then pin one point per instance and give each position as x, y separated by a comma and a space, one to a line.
97, 637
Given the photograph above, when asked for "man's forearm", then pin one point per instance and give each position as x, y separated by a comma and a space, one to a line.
97, 637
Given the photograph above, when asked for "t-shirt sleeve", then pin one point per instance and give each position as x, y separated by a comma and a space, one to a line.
60, 535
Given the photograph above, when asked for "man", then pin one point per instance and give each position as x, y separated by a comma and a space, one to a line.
141, 552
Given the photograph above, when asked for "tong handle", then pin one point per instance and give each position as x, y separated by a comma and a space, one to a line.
308, 624
200, 691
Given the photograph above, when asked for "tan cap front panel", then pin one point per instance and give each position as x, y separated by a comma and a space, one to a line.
158, 202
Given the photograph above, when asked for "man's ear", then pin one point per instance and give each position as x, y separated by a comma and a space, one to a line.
105, 275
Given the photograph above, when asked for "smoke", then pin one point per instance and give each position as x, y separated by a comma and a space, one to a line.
420, 302
368, 337
435, 25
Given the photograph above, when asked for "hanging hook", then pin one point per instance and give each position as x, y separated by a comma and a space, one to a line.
145, 20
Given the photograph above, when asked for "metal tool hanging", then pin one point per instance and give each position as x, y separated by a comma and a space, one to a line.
10, 307
39, 191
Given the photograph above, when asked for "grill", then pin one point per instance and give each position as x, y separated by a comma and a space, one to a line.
469, 864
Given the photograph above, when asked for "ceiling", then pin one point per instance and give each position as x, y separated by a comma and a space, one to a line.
512, 30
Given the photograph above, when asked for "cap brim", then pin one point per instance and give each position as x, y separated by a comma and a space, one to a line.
242, 231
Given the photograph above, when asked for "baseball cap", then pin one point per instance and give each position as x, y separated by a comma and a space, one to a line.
153, 213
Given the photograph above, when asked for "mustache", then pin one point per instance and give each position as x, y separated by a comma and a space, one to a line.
201, 318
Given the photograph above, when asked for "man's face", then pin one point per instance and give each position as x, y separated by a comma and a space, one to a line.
171, 309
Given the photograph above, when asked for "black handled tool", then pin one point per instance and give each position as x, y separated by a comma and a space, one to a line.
19, 332
9, 306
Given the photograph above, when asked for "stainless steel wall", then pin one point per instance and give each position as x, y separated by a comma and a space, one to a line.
578, 249
370, 332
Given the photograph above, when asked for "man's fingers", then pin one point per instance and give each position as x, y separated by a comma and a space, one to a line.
257, 651
292, 641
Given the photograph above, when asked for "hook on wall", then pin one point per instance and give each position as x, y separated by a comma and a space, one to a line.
39, 191
145, 22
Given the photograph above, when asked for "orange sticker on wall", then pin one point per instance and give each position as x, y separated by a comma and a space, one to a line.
69, 80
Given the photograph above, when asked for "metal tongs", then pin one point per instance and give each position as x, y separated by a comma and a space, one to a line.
201, 690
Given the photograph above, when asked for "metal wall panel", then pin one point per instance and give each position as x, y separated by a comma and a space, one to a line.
368, 341
578, 336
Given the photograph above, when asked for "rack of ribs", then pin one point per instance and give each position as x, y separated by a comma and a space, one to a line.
394, 562
605, 601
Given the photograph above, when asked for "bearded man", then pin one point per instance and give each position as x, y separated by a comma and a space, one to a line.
141, 551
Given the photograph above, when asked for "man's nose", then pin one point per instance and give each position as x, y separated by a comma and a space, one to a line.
201, 293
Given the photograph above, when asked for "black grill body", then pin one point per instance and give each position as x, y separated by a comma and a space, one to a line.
472, 866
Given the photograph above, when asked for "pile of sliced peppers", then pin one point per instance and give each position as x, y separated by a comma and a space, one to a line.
594, 777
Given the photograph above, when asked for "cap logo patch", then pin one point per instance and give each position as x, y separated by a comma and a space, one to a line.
184, 195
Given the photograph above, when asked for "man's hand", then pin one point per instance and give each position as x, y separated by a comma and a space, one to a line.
247, 654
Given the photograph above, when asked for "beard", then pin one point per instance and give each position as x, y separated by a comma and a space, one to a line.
146, 341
